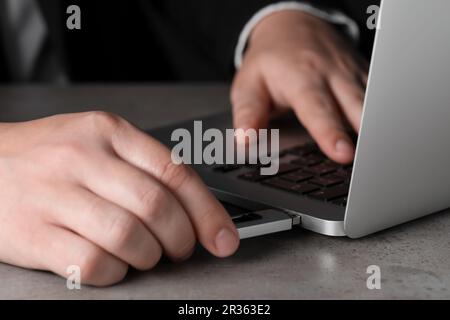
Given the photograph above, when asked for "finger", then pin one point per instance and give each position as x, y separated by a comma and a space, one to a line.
212, 224
141, 194
109, 226
250, 100
59, 249
364, 79
317, 110
350, 94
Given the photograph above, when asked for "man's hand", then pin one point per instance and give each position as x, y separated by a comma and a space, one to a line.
93, 191
297, 61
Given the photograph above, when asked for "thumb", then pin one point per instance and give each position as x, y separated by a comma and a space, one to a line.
250, 100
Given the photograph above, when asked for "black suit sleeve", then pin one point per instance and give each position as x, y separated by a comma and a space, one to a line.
158, 40
220, 25
4, 73
206, 31
223, 27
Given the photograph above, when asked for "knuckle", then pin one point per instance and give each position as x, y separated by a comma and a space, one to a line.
311, 59
313, 101
151, 260
91, 265
175, 175
122, 231
69, 151
310, 99
267, 58
117, 277
308, 61
322, 105
101, 120
185, 250
316, 69
153, 201
319, 55
272, 64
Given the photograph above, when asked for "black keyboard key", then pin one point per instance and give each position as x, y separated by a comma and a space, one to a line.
287, 167
280, 184
341, 202
304, 150
256, 165
305, 188
254, 176
298, 176
328, 180
343, 174
331, 194
323, 168
227, 168
234, 211
348, 168
283, 154
310, 160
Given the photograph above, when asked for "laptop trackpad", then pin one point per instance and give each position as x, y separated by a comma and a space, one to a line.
256, 223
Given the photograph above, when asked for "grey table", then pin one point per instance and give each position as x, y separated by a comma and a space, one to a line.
414, 258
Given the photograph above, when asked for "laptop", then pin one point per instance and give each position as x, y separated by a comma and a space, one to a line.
401, 170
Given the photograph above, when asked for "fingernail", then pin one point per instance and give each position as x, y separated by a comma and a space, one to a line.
226, 242
344, 147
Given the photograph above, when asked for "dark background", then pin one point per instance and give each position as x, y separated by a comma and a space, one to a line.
161, 40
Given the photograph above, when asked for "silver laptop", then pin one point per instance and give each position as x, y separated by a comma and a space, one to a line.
402, 167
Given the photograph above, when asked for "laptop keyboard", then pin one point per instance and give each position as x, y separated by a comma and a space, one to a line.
304, 171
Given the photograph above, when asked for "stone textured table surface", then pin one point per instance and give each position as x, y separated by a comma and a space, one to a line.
414, 258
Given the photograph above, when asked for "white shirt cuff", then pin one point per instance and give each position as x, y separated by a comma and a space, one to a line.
335, 17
